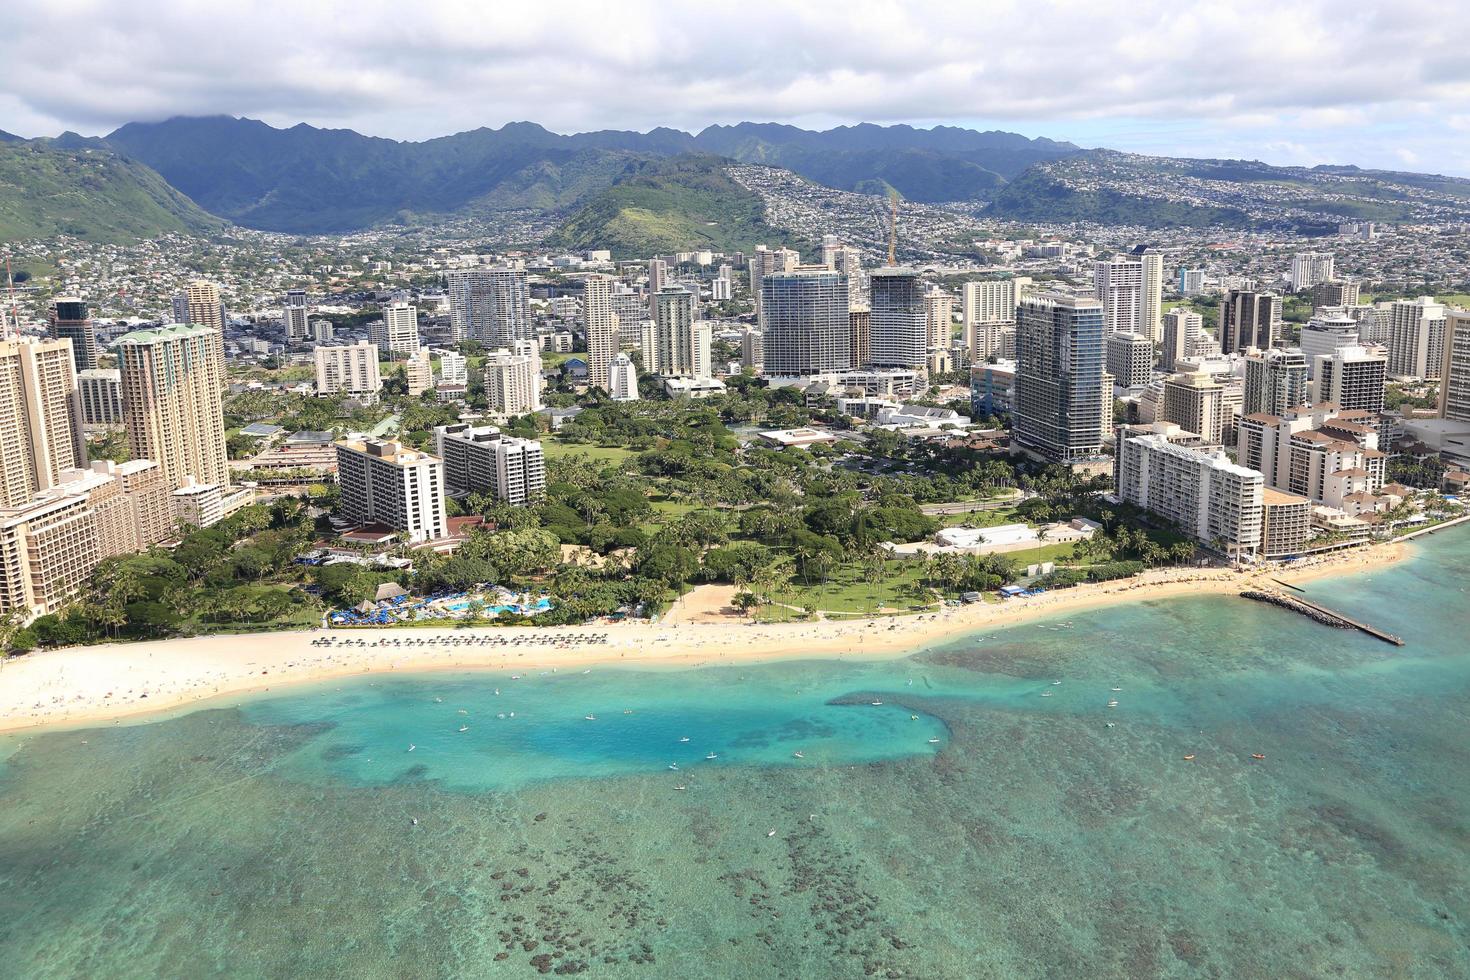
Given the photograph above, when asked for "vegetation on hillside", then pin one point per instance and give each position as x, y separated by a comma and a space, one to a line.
672, 205
88, 193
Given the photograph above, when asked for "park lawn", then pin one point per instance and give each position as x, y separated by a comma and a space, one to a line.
847, 592
553, 447
666, 510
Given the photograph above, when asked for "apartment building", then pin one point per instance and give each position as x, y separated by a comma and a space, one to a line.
513, 379
348, 369
384, 483
173, 383
1216, 501
485, 460
40, 418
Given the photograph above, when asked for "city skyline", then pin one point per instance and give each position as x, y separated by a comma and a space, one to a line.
1157, 90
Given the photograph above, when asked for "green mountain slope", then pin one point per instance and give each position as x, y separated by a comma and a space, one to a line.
681, 203
91, 193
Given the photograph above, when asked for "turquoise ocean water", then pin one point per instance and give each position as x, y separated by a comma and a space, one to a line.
1037, 837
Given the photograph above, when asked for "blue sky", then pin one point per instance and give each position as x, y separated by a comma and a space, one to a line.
1382, 84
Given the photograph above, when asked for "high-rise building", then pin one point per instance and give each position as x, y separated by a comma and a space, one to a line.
173, 383
1152, 299
939, 315
1118, 285
1183, 329
808, 324
489, 305
68, 320
347, 369
1324, 453
294, 316
701, 344
1352, 378
1130, 359
1335, 294
1416, 332
1216, 501
1310, 268
658, 276
623, 379
859, 333
763, 262
1191, 282
986, 308
1454, 379
454, 369
419, 372
384, 483
898, 334
485, 460
205, 307
1195, 401
40, 418
1275, 381
673, 325
1249, 319
100, 390
1063, 401
398, 333
600, 326
1324, 333
513, 379
752, 350
179, 305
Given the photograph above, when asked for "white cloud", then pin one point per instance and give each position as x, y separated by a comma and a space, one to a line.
1314, 72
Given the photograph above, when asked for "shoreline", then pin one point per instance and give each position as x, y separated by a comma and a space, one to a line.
138, 681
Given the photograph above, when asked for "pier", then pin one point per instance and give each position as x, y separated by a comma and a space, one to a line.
1321, 614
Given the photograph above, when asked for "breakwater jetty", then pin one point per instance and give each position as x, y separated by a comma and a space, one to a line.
1320, 614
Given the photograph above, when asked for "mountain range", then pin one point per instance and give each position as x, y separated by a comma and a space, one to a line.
641, 192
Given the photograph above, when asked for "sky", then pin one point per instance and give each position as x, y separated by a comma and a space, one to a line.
1380, 84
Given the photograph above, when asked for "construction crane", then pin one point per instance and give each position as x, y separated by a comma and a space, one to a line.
892, 227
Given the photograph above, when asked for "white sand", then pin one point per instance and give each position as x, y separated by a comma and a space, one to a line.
112, 681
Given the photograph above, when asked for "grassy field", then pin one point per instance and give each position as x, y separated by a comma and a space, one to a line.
554, 447
847, 592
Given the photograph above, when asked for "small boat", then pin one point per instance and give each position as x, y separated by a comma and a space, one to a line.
711, 756
438, 700
1055, 683
1117, 689
501, 715
771, 832
684, 739
411, 746
875, 703
586, 671
798, 755
1257, 755
589, 717
1189, 758
415, 821
681, 788
1109, 725
515, 677
512, 714
913, 717
1113, 704
674, 766
464, 728
627, 711
1046, 694
934, 741
497, 692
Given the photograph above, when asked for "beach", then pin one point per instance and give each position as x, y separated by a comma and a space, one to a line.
111, 682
